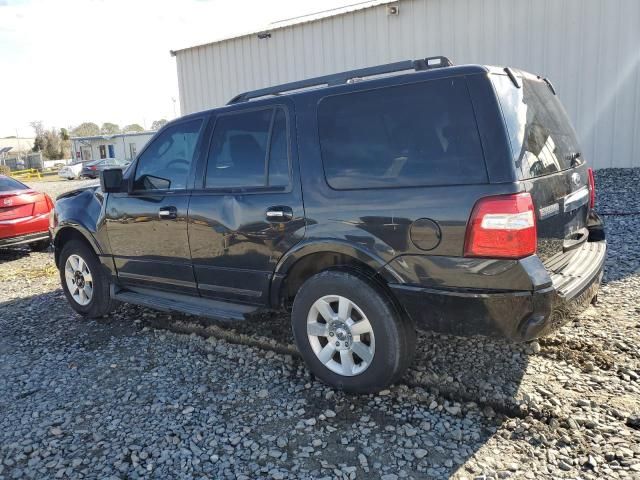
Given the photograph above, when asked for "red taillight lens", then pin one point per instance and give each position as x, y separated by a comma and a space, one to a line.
503, 226
93, 168
592, 189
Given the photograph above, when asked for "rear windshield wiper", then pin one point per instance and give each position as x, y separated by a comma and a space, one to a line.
574, 158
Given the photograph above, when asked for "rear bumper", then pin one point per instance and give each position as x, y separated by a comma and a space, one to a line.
516, 315
24, 230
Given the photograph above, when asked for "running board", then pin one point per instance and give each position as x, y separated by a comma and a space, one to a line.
167, 302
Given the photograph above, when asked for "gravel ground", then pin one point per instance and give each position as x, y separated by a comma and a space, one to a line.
144, 394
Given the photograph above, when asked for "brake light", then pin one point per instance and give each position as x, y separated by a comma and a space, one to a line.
592, 188
47, 199
503, 226
93, 168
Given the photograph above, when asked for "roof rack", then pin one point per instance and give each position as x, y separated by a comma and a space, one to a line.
345, 77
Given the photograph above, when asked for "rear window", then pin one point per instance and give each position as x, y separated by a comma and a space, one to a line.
8, 184
410, 135
540, 132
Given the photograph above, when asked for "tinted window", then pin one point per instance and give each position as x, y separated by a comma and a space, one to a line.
238, 152
409, 135
279, 152
165, 164
8, 184
542, 138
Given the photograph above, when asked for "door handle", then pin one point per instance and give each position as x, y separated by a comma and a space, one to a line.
168, 213
279, 214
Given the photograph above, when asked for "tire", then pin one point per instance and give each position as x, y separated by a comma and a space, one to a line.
99, 302
380, 355
40, 245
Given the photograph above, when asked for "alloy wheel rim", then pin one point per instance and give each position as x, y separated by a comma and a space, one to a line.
340, 335
79, 279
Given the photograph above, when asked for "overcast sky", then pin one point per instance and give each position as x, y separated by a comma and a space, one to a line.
69, 61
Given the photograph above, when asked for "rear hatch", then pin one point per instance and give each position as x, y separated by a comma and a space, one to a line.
549, 162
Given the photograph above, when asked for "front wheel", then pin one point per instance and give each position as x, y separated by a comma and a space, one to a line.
83, 281
350, 333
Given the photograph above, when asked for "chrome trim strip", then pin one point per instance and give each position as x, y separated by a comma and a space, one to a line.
576, 199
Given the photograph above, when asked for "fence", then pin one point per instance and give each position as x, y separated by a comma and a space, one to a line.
24, 161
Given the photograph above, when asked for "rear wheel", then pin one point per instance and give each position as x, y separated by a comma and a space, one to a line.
350, 333
83, 281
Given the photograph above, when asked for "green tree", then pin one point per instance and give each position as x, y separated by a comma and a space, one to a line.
158, 124
64, 134
109, 128
134, 127
86, 129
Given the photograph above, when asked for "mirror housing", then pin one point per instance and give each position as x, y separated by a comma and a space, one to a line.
111, 180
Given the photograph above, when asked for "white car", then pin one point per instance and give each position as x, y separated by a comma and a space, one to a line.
71, 172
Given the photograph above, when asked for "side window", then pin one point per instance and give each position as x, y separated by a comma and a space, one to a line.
241, 147
279, 151
409, 135
166, 163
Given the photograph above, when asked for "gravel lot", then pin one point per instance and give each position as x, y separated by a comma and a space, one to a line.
144, 394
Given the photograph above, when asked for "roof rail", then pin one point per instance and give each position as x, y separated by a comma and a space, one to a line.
345, 77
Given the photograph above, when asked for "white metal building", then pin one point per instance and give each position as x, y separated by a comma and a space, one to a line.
589, 49
123, 146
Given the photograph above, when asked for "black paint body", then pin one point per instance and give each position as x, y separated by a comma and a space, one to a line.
221, 245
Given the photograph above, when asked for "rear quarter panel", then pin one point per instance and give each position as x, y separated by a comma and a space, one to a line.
379, 220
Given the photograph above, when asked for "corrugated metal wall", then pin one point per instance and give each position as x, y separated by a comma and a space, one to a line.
590, 49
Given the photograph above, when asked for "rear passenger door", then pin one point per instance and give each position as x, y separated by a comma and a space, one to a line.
246, 210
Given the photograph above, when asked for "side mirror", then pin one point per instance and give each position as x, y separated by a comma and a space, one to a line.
111, 180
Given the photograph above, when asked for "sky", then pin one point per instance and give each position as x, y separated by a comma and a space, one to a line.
64, 62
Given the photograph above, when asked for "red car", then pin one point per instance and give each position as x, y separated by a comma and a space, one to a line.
24, 215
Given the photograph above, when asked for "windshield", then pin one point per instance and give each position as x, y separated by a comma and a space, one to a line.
9, 184
542, 138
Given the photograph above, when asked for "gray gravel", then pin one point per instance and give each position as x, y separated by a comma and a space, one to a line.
144, 394
58, 187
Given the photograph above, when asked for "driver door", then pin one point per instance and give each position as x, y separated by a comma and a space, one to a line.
147, 225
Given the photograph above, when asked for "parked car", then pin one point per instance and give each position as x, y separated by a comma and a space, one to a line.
24, 215
448, 198
93, 169
71, 172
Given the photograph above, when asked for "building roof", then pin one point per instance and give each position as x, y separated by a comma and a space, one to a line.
288, 22
115, 135
17, 144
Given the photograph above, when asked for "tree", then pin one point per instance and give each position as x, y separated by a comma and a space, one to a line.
64, 134
134, 127
109, 128
53, 146
86, 129
158, 124
40, 141
37, 126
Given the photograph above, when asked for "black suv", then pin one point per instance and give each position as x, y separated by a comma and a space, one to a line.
370, 202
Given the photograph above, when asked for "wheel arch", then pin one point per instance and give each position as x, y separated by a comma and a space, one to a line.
309, 259
75, 232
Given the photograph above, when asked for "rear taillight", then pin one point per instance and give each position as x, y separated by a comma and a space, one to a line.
592, 189
93, 168
503, 226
